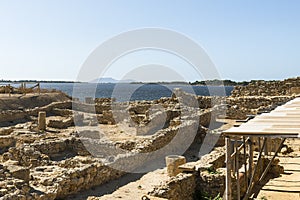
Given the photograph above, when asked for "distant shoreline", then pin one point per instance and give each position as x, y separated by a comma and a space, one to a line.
36, 81
214, 82
148, 83
200, 83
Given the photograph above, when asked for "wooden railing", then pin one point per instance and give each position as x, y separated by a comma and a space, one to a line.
8, 89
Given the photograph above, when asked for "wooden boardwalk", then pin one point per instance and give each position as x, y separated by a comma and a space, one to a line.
287, 186
282, 123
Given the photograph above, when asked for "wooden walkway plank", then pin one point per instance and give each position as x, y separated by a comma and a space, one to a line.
283, 122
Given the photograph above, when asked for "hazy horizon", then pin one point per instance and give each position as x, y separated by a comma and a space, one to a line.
149, 81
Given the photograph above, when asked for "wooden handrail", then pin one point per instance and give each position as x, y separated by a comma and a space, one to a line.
8, 88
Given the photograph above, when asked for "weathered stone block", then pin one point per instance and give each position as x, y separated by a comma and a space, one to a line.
6, 131
173, 162
19, 172
42, 121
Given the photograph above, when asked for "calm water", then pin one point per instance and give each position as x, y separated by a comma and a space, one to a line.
125, 91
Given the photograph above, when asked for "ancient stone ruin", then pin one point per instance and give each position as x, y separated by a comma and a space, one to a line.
52, 147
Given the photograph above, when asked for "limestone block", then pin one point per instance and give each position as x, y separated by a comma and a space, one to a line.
6, 141
42, 121
6, 131
19, 172
60, 124
173, 162
295, 90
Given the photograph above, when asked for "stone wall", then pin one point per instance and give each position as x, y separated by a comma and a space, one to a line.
261, 96
6, 141
205, 178
31, 101
58, 168
182, 186
14, 181
286, 87
50, 181
12, 116
240, 107
143, 112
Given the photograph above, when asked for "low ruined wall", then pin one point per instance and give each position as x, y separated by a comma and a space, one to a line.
206, 102
205, 178
211, 184
240, 107
72, 176
182, 186
6, 141
261, 96
54, 181
286, 87
203, 182
14, 181
11, 116
31, 101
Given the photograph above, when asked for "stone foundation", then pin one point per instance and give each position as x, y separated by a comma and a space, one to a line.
287, 87
58, 162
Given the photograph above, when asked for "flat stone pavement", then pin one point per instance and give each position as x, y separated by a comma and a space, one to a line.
287, 186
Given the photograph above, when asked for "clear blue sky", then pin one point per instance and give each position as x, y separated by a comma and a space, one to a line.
50, 39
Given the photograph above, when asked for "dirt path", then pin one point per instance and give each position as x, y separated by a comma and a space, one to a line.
287, 186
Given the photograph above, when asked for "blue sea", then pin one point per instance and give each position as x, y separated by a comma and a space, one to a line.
132, 92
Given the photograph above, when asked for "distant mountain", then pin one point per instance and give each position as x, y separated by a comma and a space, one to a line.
111, 80
104, 80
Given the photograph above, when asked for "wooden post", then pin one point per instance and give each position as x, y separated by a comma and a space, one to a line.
39, 88
42, 121
259, 142
232, 149
245, 162
251, 183
250, 156
264, 173
237, 167
9, 90
228, 168
24, 89
267, 147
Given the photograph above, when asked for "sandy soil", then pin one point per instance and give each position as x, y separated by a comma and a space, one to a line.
135, 190
118, 132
